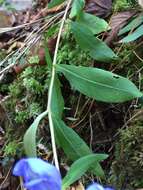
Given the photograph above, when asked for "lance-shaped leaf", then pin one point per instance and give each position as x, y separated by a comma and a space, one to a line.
96, 48
132, 25
73, 146
30, 136
57, 103
54, 3
100, 84
81, 166
94, 23
134, 36
77, 7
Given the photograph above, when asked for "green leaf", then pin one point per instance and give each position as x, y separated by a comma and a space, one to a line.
77, 7
134, 36
94, 23
97, 49
98, 171
100, 84
54, 3
73, 146
30, 136
132, 25
81, 166
57, 104
48, 57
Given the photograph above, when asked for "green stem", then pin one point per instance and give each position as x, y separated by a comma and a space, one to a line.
51, 87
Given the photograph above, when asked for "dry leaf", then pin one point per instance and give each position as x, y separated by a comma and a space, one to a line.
116, 23
7, 19
101, 8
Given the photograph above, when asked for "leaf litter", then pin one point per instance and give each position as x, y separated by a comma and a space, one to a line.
22, 26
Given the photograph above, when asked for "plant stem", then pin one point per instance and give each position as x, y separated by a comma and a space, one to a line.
51, 87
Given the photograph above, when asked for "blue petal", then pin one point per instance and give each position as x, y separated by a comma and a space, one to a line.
95, 186
41, 184
32, 169
22, 169
37, 184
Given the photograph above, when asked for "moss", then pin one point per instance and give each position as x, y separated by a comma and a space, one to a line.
27, 97
70, 52
2, 54
73, 55
127, 168
12, 148
120, 5
25, 101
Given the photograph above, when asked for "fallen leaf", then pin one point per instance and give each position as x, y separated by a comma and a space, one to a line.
116, 23
7, 19
101, 8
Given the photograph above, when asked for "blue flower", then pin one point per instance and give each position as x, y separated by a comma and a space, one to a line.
38, 174
96, 186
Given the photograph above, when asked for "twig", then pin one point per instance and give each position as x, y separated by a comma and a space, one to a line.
21, 184
31, 40
7, 175
18, 57
9, 29
125, 125
89, 109
51, 87
91, 131
77, 107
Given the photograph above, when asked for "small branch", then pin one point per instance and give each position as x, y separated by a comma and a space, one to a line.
30, 40
51, 87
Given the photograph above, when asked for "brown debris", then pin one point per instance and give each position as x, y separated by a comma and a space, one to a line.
101, 8
7, 19
117, 21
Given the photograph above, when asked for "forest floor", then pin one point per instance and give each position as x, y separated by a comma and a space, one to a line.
109, 128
